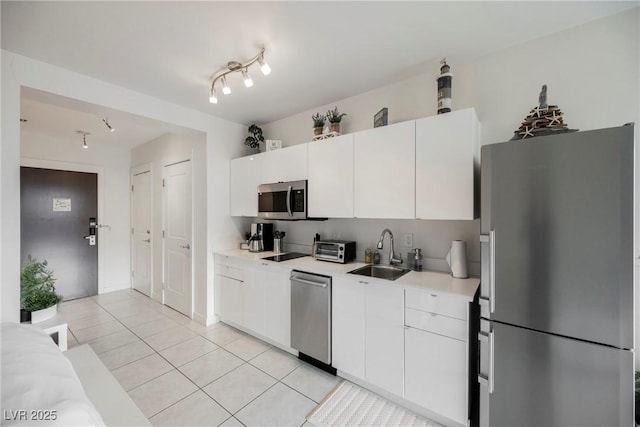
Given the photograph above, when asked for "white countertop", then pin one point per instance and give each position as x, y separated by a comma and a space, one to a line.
427, 280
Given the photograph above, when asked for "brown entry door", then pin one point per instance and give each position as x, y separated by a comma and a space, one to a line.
56, 208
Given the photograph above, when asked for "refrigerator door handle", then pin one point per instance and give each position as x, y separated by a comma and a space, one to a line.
492, 270
488, 275
487, 380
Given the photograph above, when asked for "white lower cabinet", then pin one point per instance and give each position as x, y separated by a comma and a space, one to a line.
231, 299
255, 296
368, 332
347, 332
436, 373
437, 353
384, 337
267, 303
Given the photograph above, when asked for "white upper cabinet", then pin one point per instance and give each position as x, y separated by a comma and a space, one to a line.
243, 187
331, 177
446, 156
384, 172
286, 164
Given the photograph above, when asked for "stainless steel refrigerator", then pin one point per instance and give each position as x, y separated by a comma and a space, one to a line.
556, 329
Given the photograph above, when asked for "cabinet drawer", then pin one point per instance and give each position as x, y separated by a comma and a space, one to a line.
434, 302
230, 271
437, 323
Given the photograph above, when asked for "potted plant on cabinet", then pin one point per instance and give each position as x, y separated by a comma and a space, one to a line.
255, 138
318, 123
38, 295
335, 117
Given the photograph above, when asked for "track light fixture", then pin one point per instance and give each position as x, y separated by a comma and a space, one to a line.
84, 138
234, 66
106, 122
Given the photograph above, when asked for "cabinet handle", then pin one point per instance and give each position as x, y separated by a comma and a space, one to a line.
433, 314
434, 295
264, 263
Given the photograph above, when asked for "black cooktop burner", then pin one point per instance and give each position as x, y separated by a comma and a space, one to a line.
285, 257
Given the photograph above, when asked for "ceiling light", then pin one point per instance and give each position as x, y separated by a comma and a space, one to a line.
84, 138
106, 122
264, 67
225, 87
234, 66
247, 80
212, 96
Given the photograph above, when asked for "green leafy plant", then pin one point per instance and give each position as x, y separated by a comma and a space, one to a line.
37, 290
255, 138
318, 120
334, 116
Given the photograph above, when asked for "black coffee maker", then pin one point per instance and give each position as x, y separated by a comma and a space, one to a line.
264, 233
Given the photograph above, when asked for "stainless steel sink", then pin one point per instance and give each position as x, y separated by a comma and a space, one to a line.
388, 272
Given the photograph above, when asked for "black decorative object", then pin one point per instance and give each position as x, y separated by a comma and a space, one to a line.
444, 87
380, 119
543, 119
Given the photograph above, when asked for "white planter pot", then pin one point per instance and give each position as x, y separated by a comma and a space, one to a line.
44, 314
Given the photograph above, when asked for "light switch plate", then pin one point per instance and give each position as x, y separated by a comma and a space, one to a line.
408, 239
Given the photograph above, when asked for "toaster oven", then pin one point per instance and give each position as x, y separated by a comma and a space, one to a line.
340, 251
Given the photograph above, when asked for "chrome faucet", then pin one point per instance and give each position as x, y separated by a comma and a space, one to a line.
392, 259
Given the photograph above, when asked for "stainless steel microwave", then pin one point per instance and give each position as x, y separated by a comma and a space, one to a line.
283, 200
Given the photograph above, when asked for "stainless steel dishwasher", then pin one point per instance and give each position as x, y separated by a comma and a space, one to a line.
311, 317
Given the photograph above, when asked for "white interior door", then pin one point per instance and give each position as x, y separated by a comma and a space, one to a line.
141, 258
177, 237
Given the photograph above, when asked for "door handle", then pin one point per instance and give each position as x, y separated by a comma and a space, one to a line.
487, 380
91, 238
147, 240
187, 246
289, 201
490, 300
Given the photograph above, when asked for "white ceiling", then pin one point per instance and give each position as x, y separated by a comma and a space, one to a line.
319, 52
62, 118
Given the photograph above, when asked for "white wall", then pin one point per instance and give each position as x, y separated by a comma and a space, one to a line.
166, 150
112, 162
224, 140
591, 71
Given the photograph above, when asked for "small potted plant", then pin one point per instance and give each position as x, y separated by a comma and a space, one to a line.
38, 295
318, 123
255, 138
335, 117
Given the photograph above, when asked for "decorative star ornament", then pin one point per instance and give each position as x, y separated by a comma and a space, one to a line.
554, 119
527, 132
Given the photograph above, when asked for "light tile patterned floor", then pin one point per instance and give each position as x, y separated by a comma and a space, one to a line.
180, 372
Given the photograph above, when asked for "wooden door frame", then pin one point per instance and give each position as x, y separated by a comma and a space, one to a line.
30, 162
164, 227
136, 170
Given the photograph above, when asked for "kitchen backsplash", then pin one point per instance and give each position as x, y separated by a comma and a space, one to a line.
433, 237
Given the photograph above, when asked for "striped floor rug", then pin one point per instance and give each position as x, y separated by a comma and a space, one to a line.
350, 405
